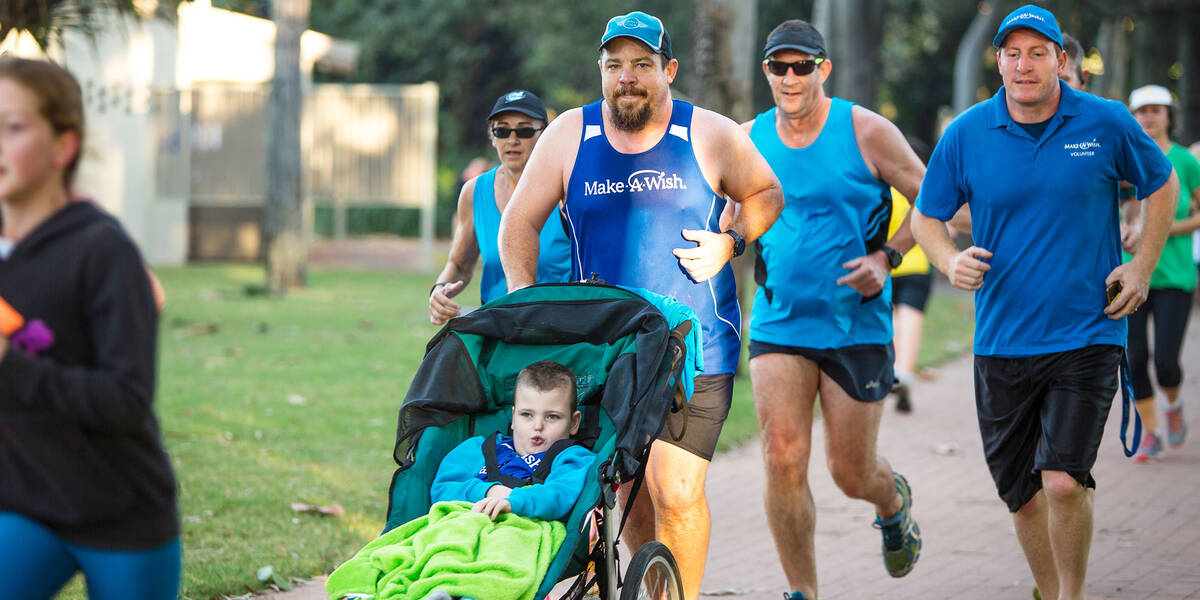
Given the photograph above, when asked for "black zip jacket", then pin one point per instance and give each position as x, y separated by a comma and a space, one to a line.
80, 448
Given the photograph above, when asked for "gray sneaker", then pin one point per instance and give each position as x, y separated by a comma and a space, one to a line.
901, 536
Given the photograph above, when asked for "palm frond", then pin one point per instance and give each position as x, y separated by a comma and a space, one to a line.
47, 20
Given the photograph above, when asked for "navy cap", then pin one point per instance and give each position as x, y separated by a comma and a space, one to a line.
1030, 17
647, 29
520, 101
799, 36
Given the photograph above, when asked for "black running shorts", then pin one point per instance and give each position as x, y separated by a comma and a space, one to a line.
1044, 412
711, 397
863, 371
912, 290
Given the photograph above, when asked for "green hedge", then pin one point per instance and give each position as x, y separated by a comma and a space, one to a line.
371, 219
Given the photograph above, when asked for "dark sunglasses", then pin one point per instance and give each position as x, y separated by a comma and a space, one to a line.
800, 67
501, 133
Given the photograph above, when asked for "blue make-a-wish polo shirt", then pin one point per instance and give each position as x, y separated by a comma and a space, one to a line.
1047, 210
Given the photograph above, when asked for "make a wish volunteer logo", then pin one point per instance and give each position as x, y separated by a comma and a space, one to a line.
646, 180
1087, 148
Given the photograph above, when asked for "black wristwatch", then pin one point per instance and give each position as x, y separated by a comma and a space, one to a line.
894, 256
739, 242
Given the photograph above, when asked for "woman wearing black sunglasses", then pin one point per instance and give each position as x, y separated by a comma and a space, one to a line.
514, 126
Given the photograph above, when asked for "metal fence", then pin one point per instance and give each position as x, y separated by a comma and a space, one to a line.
361, 144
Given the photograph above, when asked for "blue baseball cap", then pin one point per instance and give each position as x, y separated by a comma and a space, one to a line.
647, 29
1029, 17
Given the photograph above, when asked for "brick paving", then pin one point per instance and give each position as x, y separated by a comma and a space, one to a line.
1147, 527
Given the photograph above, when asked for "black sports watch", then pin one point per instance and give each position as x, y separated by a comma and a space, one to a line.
893, 255
739, 242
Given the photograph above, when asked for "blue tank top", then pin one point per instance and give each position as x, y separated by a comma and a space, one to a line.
624, 216
833, 210
554, 256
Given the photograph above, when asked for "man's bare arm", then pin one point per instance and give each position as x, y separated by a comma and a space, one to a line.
539, 191
748, 181
1158, 211
727, 156
964, 268
892, 161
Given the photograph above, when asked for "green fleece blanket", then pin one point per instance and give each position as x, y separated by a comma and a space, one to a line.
454, 550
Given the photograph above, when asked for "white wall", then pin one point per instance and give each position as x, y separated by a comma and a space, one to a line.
117, 71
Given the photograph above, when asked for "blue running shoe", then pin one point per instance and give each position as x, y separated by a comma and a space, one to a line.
901, 536
797, 595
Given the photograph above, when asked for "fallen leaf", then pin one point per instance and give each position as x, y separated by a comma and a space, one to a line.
333, 510
202, 328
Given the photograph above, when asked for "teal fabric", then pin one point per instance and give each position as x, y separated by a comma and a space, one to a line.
554, 258
456, 480
677, 312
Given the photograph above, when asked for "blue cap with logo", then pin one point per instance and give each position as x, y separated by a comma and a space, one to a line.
1030, 17
642, 27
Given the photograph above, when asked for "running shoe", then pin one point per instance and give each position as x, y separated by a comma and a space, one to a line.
900, 389
796, 595
1176, 426
1150, 448
901, 536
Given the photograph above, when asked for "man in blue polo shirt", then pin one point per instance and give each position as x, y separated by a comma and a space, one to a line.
1039, 165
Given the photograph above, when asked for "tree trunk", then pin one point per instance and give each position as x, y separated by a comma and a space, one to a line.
723, 56
283, 240
853, 41
966, 62
1188, 115
1114, 47
725, 64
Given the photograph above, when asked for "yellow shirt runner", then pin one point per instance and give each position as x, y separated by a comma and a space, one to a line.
915, 262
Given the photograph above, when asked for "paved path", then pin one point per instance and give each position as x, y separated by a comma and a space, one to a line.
1147, 533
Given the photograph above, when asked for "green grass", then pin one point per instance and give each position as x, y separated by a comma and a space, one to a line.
268, 401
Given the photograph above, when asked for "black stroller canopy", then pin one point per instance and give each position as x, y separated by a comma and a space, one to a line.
619, 345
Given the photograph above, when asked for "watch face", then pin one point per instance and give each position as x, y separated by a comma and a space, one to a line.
894, 257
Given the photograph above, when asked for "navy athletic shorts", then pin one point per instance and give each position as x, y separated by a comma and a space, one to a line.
863, 371
912, 290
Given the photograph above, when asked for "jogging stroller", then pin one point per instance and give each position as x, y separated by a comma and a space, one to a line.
628, 366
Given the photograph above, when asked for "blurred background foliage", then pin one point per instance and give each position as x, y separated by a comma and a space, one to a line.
476, 50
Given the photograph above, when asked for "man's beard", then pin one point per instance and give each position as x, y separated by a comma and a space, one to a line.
629, 119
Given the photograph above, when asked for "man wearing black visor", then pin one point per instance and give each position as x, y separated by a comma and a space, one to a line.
821, 321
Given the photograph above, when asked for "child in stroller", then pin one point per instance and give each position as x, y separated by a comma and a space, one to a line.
537, 472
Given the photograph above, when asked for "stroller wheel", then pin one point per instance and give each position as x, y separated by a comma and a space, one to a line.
652, 575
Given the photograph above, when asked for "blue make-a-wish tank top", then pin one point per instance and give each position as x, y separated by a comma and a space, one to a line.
832, 207
554, 254
625, 214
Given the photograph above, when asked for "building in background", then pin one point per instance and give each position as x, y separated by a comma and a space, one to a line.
176, 132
